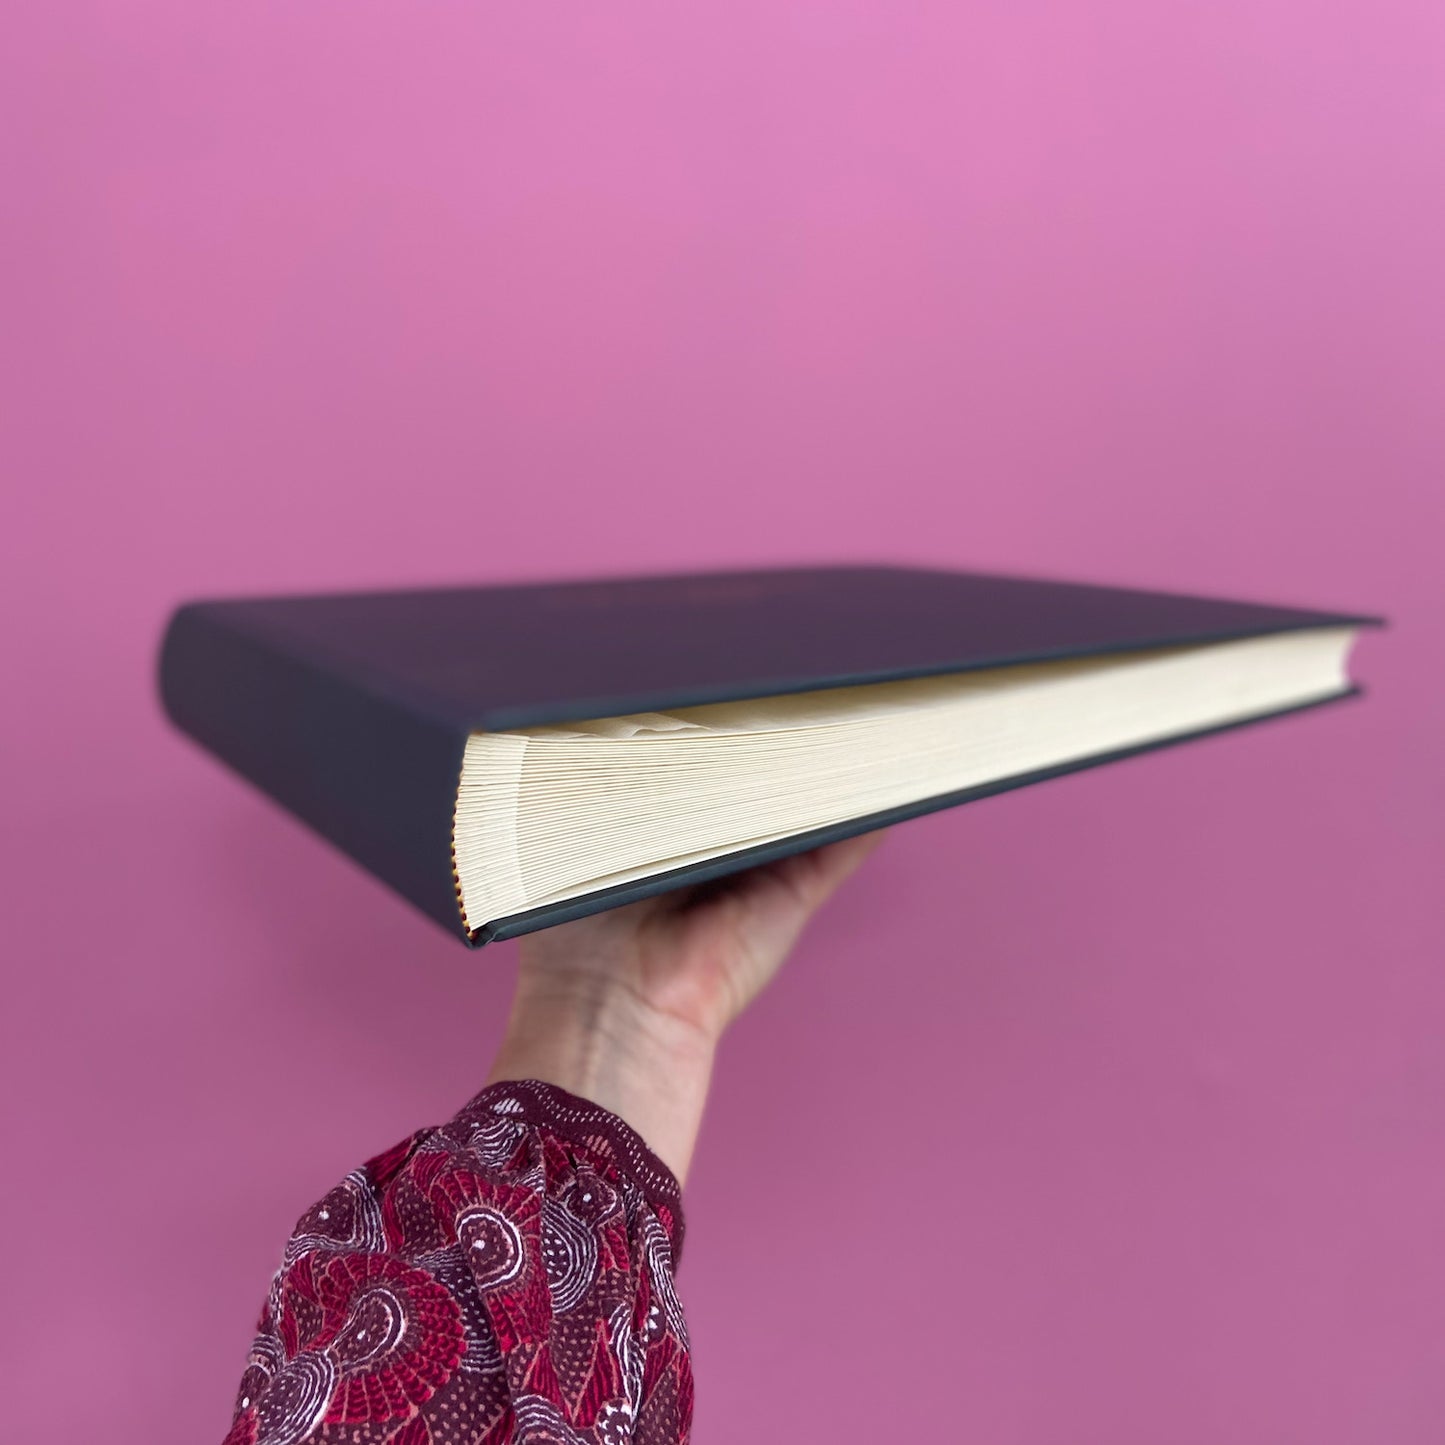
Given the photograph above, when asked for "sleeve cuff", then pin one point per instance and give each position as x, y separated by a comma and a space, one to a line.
532, 1101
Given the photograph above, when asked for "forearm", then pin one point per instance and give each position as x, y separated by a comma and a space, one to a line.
595, 1039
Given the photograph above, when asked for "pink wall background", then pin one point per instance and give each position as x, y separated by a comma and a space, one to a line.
1127, 1095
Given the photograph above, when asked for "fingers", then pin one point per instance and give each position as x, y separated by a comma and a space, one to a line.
774, 903
827, 867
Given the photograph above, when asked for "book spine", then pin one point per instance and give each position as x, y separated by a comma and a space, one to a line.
375, 777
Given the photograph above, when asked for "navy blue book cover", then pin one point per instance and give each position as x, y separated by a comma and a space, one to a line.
353, 710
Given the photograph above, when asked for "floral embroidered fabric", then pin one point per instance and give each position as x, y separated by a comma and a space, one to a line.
507, 1277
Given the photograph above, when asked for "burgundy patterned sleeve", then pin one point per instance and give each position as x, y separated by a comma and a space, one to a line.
506, 1277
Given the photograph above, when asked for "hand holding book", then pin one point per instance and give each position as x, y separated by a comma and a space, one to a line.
658, 781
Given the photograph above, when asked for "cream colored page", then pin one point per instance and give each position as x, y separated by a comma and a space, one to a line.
625, 797
830, 707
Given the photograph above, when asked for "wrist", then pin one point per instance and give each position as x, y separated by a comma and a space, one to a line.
594, 1038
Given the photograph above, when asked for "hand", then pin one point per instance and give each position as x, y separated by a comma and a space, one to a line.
626, 1007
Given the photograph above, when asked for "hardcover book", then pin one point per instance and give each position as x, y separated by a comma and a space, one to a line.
512, 757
